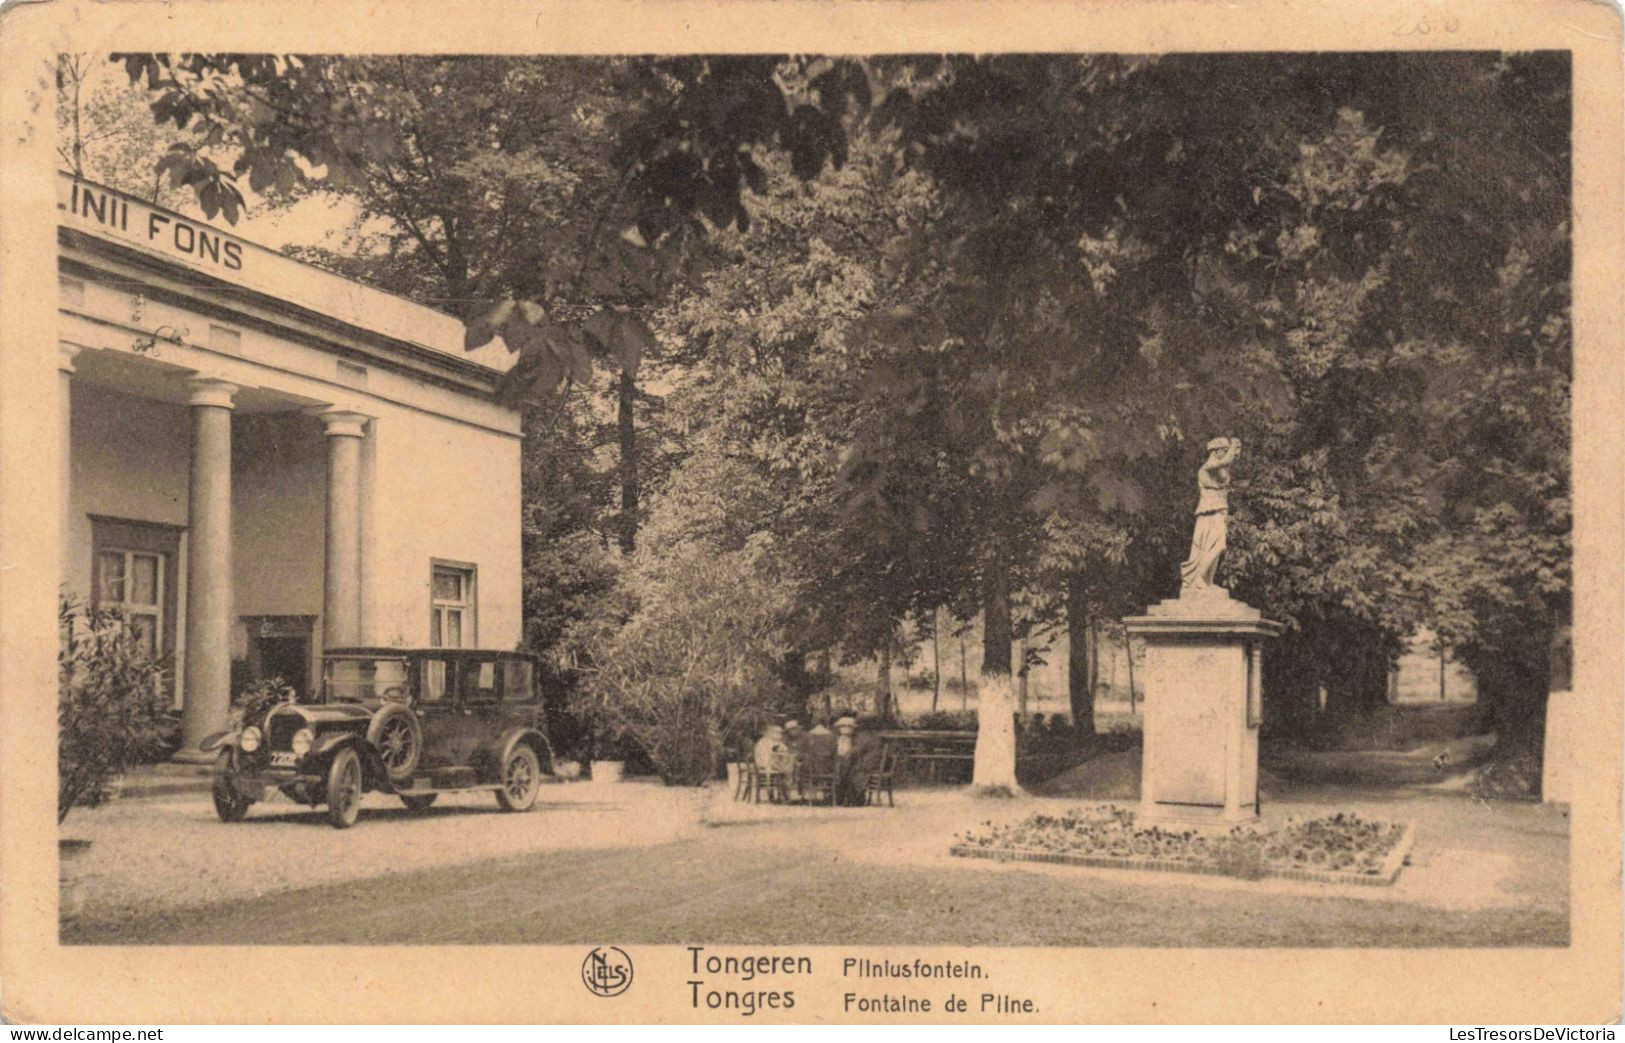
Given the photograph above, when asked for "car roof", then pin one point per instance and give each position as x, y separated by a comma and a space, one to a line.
402, 653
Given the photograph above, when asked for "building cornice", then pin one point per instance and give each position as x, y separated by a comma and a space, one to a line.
320, 388
94, 258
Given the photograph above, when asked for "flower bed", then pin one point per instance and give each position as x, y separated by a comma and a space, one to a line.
1343, 847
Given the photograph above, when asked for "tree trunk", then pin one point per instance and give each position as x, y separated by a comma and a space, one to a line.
997, 632
1520, 719
798, 684
1021, 674
964, 675
1513, 684
883, 700
1128, 656
1291, 688
1081, 696
626, 429
1094, 656
936, 658
78, 134
995, 764
826, 674
1358, 686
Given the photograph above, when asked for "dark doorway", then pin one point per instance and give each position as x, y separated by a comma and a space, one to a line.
279, 646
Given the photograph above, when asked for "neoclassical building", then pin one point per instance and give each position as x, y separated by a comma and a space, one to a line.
265, 459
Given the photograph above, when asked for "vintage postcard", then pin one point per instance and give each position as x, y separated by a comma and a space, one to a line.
837, 512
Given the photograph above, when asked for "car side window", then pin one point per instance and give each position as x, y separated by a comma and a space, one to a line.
480, 681
516, 680
434, 687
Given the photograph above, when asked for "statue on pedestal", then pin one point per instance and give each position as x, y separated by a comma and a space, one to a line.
1212, 519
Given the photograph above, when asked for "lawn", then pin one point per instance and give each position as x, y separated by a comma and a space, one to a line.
725, 892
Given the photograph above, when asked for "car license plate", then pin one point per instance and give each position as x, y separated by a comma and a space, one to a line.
284, 759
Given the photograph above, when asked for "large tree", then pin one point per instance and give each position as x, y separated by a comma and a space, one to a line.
546, 200
1357, 263
774, 372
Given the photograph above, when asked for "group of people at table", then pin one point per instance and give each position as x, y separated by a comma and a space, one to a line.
836, 765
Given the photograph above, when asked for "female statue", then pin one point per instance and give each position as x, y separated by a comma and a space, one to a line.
1212, 517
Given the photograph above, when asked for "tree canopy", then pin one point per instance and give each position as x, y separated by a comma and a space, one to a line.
949, 332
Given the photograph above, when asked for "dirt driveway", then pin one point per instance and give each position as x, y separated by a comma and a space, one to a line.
173, 852
166, 871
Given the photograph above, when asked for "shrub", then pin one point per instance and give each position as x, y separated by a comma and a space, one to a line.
946, 720
691, 659
1241, 857
112, 710
254, 700
1516, 777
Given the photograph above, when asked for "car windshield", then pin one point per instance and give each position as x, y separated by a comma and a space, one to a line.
362, 679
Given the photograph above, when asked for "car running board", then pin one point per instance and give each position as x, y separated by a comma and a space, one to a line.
484, 787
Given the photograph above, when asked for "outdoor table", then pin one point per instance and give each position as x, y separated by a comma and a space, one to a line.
932, 748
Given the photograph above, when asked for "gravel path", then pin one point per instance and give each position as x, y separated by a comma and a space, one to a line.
726, 890
174, 852
160, 855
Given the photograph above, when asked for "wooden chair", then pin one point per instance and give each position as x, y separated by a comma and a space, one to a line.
774, 784
747, 779
880, 780
817, 783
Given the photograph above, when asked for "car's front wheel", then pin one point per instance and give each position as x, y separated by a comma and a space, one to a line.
344, 789
521, 778
230, 805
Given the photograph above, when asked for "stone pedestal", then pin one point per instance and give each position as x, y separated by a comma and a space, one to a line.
1202, 709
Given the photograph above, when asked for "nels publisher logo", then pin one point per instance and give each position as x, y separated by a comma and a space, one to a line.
607, 971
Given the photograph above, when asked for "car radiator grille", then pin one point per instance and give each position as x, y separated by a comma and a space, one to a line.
280, 729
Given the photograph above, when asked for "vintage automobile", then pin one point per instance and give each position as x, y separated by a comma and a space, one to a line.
413, 722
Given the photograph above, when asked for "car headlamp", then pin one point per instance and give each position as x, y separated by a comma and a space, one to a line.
249, 740
302, 740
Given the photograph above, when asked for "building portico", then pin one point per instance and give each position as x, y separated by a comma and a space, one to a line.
263, 459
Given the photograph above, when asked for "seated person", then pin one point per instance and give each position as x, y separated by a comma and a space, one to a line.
772, 753
846, 732
868, 751
818, 749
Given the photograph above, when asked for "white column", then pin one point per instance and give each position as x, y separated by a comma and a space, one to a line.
66, 354
208, 564
341, 600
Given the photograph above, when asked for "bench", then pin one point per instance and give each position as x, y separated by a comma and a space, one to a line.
934, 752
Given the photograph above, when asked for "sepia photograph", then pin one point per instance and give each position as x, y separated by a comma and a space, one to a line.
733, 503
743, 440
